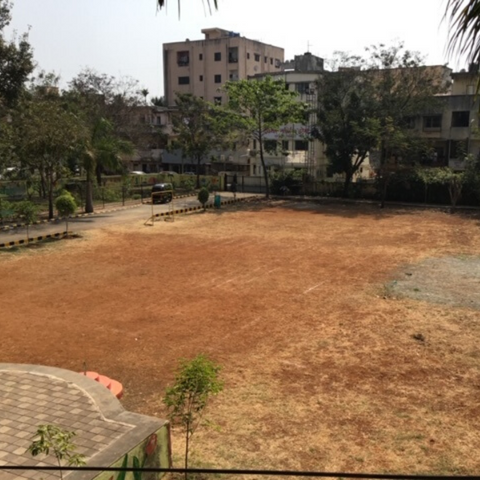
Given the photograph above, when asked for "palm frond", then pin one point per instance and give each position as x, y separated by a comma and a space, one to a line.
163, 3
463, 18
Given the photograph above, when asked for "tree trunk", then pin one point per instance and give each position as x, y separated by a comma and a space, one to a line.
265, 173
98, 173
384, 189
455, 191
383, 158
43, 190
187, 447
50, 198
346, 184
89, 193
199, 159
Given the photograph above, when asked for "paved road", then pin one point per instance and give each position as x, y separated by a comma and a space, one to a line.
99, 220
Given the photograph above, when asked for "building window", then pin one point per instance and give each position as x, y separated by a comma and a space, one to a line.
218, 56
277, 63
257, 57
248, 56
457, 149
285, 145
200, 78
218, 79
460, 119
233, 75
200, 56
217, 100
271, 61
266, 59
183, 58
184, 80
302, 87
301, 145
233, 55
432, 122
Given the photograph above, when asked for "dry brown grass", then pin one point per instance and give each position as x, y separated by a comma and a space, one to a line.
322, 370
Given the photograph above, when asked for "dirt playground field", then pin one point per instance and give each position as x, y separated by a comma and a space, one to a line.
336, 356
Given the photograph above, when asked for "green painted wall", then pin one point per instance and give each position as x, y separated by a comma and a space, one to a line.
154, 451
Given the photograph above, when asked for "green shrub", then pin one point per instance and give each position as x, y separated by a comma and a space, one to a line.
290, 180
7, 210
28, 211
188, 184
65, 204
203, 196
108, 194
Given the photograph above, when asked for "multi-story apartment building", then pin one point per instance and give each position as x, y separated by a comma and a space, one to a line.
201, 67
293, 146
453, 128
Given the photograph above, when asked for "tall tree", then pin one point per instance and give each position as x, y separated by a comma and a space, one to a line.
265, 105
117, 100
366, 106
404, 88
16, 60
347, 122
110, 109
463, 17
103, 150
199, 127
44, 133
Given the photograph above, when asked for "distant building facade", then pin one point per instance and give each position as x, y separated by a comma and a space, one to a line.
293, 146
202, 67
453, 129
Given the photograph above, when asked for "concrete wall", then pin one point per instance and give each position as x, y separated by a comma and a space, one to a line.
153, 451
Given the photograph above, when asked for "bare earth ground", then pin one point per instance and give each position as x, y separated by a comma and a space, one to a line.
326, 365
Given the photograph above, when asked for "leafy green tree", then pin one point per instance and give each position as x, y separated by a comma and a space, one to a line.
103, 150
428, 176
7, 209
199, 127
44, 134
347, 122
264, 105
365, 108
203, 196
195, 383
458, 181
109, 109
66, 206
50, 438
404, 88
28, 211
16, 60
115, 100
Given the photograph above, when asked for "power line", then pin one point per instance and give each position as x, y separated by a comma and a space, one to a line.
291, 473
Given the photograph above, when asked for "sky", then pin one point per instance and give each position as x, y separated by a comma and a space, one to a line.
125, 37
